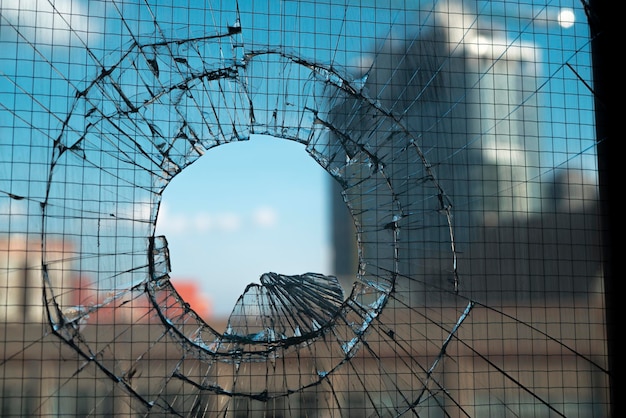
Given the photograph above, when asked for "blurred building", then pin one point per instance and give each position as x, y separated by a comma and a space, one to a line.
41, 374
469, 96
21, 284
526, 242
44, 376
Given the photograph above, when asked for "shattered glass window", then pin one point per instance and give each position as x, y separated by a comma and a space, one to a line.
467, 275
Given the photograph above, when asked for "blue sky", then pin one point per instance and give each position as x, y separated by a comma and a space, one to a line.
244, 209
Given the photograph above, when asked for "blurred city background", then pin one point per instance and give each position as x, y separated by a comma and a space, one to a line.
127, 260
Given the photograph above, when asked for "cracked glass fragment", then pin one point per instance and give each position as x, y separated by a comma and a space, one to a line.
282, 307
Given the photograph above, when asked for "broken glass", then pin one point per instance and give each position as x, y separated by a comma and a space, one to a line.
441, 125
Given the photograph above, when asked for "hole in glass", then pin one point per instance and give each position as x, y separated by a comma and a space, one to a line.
241, 210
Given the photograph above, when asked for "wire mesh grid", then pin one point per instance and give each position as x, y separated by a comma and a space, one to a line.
467, 278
